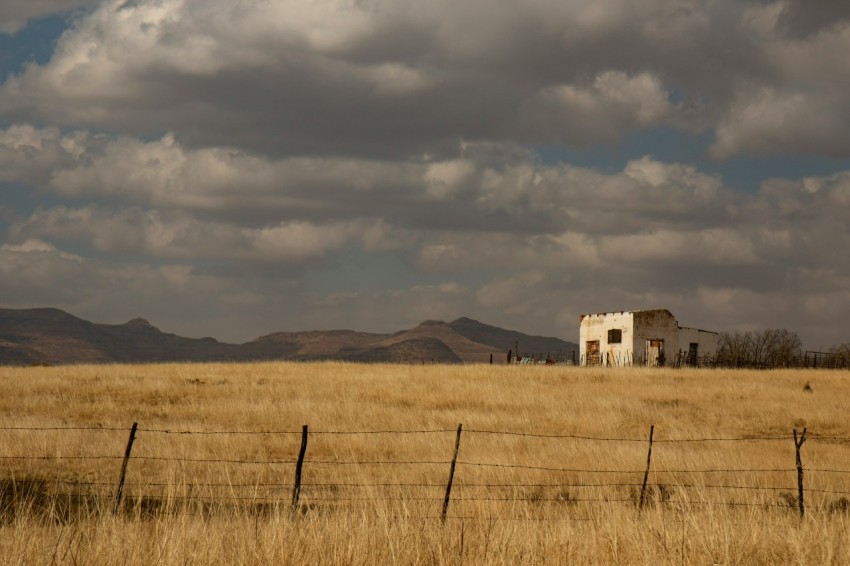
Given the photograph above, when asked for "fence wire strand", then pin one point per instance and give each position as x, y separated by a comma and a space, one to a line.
321, 492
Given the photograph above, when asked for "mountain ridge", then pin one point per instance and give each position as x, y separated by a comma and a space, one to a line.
53, 336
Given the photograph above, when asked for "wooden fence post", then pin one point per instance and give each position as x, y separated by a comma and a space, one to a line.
646, 473
451, 476
129, 449
797, 445
296, 490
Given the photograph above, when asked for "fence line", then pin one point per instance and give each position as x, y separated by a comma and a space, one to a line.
807, 360
333, 487
426, 431
273, 432
659, 491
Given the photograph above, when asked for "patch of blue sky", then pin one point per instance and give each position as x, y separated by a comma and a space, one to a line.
742, 173
34, 43
665, 144
18, 201
24, 200
746, 173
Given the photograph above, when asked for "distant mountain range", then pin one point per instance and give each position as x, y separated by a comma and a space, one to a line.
52, 336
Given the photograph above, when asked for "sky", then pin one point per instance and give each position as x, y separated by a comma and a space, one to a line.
231, 168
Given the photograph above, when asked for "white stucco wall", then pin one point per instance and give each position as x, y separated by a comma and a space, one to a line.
655, 325
707, 341
638, 329
596, 326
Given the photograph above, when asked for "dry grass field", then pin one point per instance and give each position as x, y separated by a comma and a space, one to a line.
211, 475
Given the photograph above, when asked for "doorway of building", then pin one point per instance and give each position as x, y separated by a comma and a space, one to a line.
655, 355
693, 354
592, 354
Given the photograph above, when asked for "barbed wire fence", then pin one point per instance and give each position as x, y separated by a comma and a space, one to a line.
154, 471
808, 359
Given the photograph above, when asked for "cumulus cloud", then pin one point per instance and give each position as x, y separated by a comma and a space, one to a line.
484, 187
164, 173
291, 137
163, 235
402, 78
347, 77
601, 110
175, 202
797, 103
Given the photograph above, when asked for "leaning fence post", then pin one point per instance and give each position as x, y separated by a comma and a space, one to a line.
296, 489
451, 476
120, 492
646, 473
797, 445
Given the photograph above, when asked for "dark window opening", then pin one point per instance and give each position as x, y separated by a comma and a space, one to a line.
615, 336
693, 354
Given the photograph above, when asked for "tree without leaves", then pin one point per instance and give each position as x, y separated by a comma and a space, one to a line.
759, 348
842, 353
783, 347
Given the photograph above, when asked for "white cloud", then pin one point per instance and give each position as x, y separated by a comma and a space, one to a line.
305, 134
35, 246
156, 234
797, 103
32, 155
772, 121
401, 77
490, 205
602, 110
487, 187
447, 177
163, 172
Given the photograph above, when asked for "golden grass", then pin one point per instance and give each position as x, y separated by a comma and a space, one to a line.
195, 498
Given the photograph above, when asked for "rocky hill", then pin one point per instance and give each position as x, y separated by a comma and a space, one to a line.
52, 336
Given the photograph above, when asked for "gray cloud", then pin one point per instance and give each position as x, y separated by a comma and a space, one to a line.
396, 78
400, 79
174, 236
670, 234
176, 202
198, 153
14, 14
805, 17
483, 187
36, 273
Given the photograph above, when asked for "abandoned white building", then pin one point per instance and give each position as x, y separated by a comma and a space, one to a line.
642, 337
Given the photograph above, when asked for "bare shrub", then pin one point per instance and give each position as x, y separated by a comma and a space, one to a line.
771, 348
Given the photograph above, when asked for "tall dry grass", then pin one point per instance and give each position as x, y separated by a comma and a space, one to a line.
224, 498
